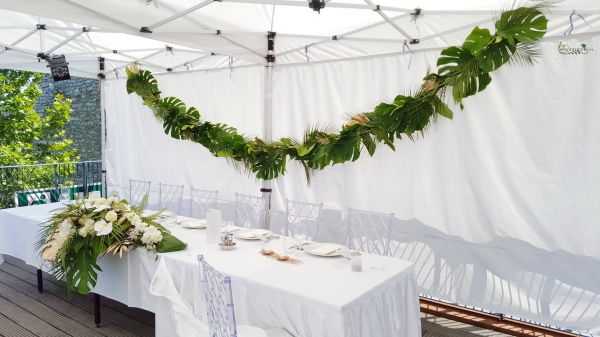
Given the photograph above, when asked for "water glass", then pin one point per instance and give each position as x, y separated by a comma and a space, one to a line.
64, 195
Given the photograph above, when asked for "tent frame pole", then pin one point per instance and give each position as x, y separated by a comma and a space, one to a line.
266, 188
103, 135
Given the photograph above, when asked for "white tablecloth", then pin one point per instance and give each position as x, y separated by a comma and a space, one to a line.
320, 297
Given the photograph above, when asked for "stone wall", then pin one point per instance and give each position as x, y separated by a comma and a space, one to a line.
85, 125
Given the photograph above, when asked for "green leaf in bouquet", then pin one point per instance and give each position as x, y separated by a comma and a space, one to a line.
170, 243
82, 271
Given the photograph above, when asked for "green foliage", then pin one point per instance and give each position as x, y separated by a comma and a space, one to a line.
463, 69
74, 254
26, 137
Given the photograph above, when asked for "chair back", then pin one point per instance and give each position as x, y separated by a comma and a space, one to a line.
303, 218
201, 201
250, 211
369, 232
219, 301
138, 189
169, 197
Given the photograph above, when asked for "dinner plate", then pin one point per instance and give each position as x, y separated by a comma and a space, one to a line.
194, 224
251, 233
324, 249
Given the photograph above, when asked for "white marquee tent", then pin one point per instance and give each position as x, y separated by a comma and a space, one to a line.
499, 206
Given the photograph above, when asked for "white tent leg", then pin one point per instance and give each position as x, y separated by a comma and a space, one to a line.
268, 120
103, 177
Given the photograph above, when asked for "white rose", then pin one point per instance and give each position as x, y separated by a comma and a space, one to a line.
111, 216
135, 220
103, 228
102, 207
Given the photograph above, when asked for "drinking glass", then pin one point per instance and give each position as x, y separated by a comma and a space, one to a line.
64, 195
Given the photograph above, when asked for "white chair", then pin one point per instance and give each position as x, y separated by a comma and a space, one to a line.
250, 211
138, 189
169, 197
201, 201
220, 309
303, 218
369, 232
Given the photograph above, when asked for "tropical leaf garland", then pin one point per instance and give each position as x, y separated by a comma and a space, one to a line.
465, 69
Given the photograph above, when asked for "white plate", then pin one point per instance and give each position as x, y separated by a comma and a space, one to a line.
194, 224
322, 249
251, 233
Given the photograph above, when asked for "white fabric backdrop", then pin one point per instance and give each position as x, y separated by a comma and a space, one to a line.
496, 206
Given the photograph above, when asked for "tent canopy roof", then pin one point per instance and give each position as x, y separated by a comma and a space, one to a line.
208, 34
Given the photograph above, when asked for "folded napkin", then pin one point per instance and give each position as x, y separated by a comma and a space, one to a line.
194, 223
326, 249
252, 233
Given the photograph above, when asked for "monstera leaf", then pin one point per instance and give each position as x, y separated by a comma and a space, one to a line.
523, 24
462, 72
495, 55
82, 271
142, 83
477, 40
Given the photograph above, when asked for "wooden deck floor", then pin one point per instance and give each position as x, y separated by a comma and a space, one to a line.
56, 313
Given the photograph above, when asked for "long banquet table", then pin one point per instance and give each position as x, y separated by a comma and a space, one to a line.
320, 297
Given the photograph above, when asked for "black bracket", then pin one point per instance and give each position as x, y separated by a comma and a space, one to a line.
417, 12
316, 5
266, 190
271, 47
101, 63
42, 56
115, 51
169, 69
40, 26
334, 38
169, 49
213, 54
145, 30
101, 76
414, 41
218, 32
85, 29
377, 8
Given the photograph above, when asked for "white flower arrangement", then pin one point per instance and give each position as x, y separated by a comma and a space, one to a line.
75, 237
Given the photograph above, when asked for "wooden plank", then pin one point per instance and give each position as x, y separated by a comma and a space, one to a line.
63, 305
109, 315
28, 320
488, 321
48, 314
9, 328
136, 313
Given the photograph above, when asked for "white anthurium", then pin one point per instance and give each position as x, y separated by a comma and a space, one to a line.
103, 228
102, 207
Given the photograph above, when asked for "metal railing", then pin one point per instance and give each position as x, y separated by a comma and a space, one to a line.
25, 185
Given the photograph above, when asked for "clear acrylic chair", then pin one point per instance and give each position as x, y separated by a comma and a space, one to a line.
169, 197
249, 211
220, 308
201, 201
138, 189
369, 232
302, 218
